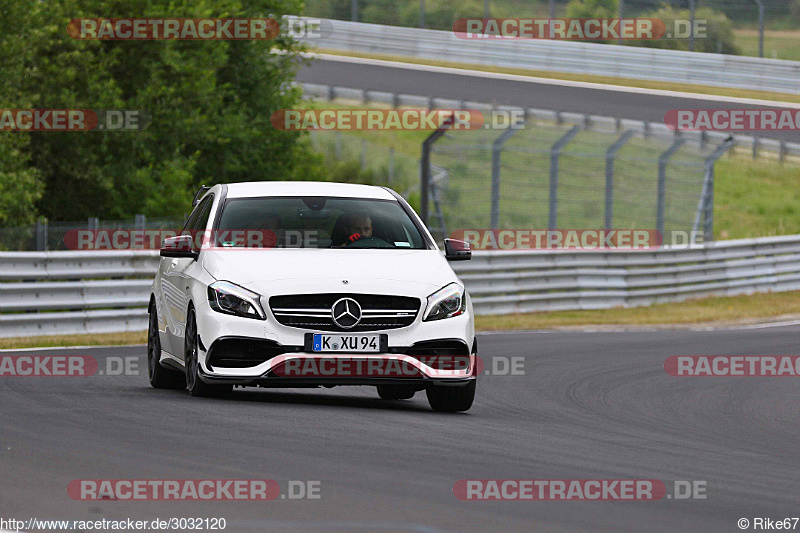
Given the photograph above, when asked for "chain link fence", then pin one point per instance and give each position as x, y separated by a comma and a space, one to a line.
567, 174
50, 236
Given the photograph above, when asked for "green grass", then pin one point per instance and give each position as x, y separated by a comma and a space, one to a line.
104, 339
777, 44
714, 310
755, 198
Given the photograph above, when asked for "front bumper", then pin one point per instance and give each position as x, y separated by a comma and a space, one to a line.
288, 345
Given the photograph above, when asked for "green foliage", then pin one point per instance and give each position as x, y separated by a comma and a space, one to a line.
719, 37
592, 9
209, 103
20, 185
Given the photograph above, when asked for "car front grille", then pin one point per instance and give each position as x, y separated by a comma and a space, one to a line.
313, 311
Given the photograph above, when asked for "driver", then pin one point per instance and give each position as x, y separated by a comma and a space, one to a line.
358, 227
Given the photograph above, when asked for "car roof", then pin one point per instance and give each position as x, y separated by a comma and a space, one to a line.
306, 188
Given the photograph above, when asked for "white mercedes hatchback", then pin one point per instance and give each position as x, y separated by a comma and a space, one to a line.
307, 284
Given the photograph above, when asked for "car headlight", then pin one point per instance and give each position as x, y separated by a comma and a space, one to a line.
226, 297
447, 302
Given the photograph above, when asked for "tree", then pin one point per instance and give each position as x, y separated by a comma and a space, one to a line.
209, 104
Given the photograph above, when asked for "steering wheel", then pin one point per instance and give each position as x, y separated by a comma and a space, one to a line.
369, 242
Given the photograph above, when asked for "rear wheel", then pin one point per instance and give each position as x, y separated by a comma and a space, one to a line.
396, 392
160, 377
451, 399
195, 385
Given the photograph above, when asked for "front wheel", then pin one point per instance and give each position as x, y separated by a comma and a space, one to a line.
195, 385
451, 399
160, 377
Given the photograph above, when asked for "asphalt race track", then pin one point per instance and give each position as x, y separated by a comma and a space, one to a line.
589, 405
561, 97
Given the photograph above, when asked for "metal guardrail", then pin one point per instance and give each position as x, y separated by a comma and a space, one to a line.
502, 282
53, 293
719, 70
757, 146
64, 293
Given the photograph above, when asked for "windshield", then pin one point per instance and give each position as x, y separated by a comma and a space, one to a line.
317, 222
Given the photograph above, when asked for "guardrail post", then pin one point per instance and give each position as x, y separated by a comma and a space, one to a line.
497, 148
555, 151
610, 155
756, 141
338, 146
663, 159
425, 166
782, 152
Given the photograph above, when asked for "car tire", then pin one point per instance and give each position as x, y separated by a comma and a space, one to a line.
195, 385
160, 377
396, 392
451, 399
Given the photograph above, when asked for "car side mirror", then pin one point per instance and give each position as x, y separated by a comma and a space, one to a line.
455, 250
179, 246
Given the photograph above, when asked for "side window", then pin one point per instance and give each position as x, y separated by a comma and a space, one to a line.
199, 216
205, 211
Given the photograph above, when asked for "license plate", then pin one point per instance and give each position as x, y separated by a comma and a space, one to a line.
346, 343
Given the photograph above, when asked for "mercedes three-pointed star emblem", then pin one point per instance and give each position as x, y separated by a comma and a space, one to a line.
346, 313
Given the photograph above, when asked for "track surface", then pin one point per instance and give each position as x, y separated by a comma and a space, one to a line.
590, 405
508, 92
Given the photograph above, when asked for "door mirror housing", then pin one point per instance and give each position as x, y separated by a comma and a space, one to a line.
179, 247
455, 250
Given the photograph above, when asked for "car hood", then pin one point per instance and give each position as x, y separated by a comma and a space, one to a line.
280, 271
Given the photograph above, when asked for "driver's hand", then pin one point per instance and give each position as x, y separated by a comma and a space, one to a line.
354, 237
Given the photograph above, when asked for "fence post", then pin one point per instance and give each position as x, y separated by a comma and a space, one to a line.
391, 165
338, 146
497, 147
41, 235
93, 224
705, 208
363, 155
555, 151
663, 159
610, 155
139, 222
425, 165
